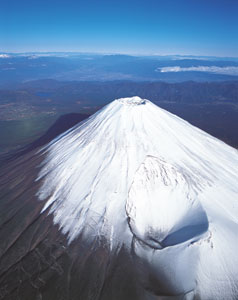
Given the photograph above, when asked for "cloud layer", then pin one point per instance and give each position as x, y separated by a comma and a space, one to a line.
4, 55
231, 70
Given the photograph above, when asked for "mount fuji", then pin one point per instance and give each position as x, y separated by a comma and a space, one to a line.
131, 203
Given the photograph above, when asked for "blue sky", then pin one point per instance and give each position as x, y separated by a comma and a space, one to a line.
197, 27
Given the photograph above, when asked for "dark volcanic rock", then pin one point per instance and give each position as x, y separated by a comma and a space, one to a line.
36, 261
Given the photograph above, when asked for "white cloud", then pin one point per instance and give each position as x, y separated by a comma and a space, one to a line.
4, 55
33, 57
6, 69
210, 69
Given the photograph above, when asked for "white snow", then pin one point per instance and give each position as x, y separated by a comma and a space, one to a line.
135, 172
161, 189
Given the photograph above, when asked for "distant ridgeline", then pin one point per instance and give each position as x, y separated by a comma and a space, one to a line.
211, 106
93, 93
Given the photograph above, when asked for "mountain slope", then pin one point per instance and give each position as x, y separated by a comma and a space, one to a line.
132, 203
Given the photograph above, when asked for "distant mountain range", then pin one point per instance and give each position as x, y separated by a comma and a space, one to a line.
16, 68
212, 106
49, 91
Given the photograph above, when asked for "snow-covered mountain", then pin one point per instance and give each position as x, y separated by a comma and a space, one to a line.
132, 203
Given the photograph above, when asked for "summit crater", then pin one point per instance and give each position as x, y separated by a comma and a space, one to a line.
135, 100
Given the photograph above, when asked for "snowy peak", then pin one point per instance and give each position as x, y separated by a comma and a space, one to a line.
141, 177
131, 203
90, 173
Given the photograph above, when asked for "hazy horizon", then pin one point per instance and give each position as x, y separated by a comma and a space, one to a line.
186, 55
